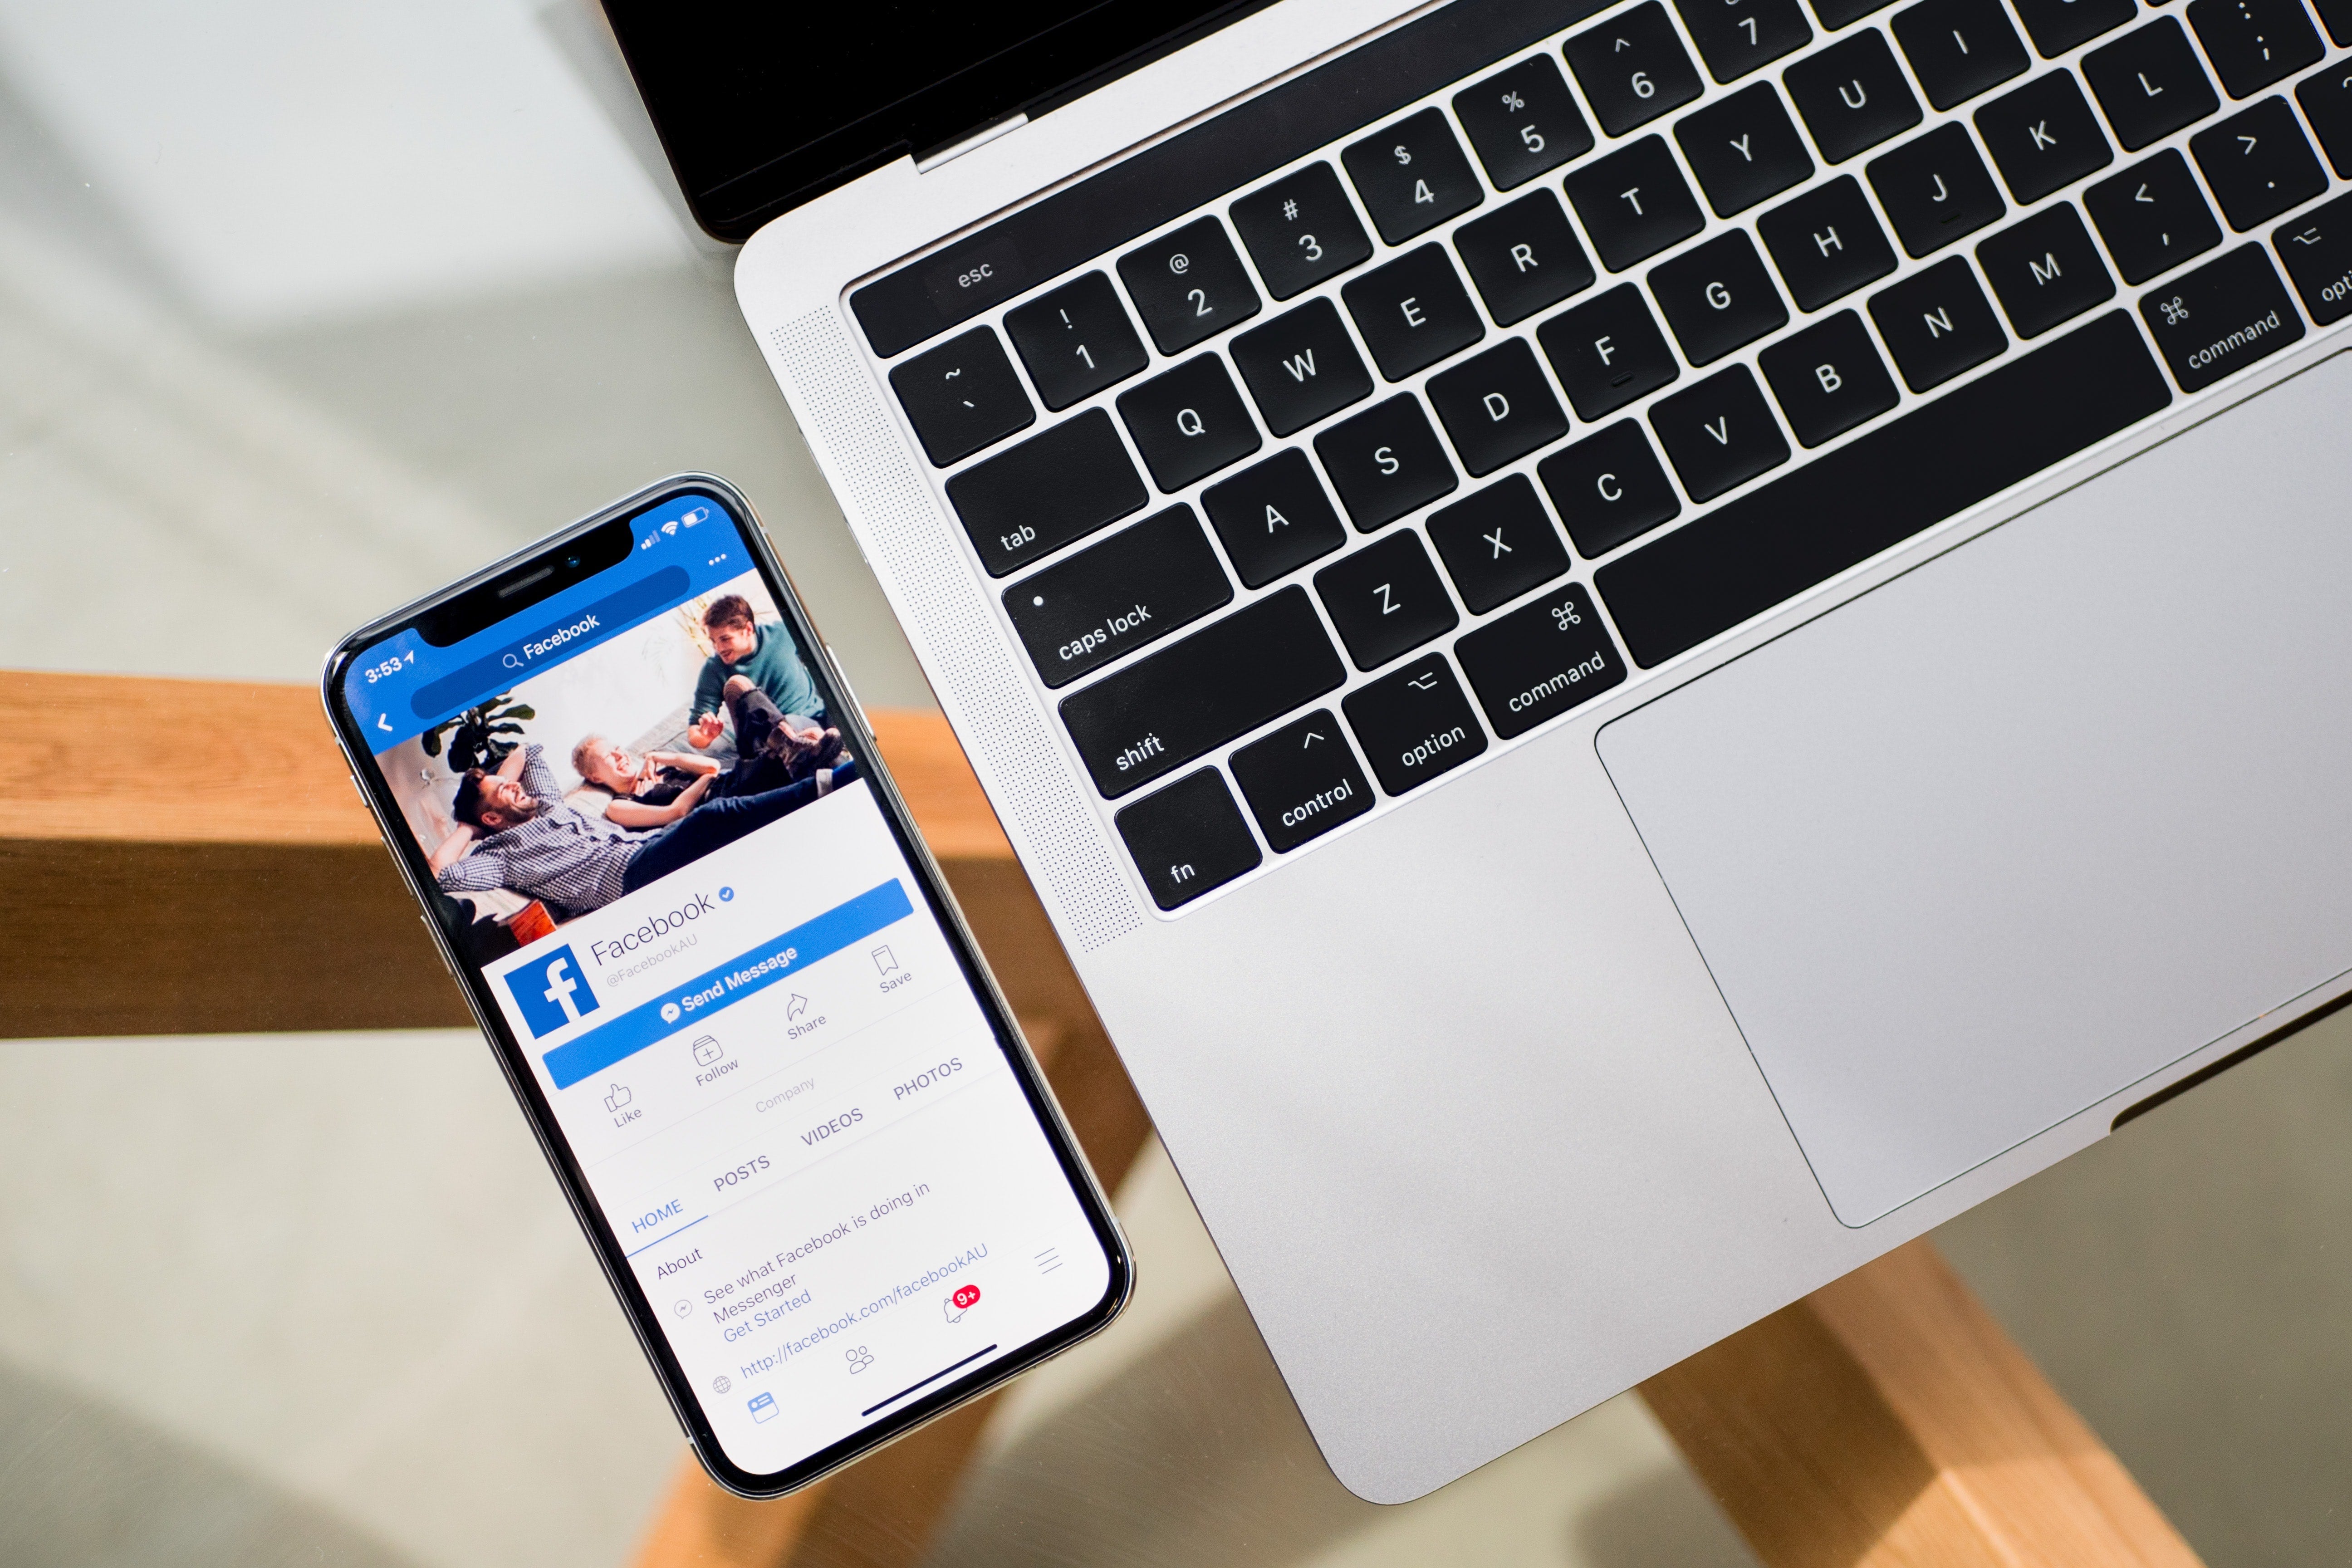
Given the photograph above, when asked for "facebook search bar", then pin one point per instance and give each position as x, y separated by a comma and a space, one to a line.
554, 643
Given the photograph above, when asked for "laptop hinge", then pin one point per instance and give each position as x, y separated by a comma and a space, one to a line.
924, 166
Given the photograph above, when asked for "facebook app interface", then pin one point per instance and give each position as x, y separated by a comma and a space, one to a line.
786, 1100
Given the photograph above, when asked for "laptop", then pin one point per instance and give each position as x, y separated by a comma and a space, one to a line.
1639, 648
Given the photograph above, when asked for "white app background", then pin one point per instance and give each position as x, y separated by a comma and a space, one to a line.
832, 1188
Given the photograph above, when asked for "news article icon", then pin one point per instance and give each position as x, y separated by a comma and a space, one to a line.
885, 961
708, 1050
551, 992
763, 1407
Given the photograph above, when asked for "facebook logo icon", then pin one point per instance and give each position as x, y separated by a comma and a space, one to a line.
551, 992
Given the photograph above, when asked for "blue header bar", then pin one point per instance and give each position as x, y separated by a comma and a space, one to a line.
405, 686
741, 976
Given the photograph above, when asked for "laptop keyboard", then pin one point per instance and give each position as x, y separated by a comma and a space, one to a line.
1414, 402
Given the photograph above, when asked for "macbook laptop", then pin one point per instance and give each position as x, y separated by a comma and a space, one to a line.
1639, 648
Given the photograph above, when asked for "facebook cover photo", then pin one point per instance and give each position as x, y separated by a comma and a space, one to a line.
632, 759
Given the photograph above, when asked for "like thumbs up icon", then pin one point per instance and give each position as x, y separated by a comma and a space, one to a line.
618, 1098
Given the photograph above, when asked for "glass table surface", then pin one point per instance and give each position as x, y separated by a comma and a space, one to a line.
305, 310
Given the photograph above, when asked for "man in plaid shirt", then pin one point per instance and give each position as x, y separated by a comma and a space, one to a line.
533, 843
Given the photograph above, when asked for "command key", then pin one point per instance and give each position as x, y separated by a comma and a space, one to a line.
2222, 318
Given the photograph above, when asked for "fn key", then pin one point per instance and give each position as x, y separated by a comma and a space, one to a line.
1187, 839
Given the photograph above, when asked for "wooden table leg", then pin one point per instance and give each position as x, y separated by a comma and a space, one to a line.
1885, 1421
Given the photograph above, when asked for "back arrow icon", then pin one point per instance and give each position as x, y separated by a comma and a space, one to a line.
383, 722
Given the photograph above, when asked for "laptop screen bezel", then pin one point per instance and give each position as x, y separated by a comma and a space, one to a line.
694, 67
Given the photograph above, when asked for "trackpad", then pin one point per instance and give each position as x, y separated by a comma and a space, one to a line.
2001, 837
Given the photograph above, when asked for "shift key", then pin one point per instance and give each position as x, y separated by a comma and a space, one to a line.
1133, 588
1191, 697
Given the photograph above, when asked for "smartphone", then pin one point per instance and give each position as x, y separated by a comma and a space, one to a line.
658, 850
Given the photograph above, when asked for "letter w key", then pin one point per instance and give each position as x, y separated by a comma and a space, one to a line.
1301, 366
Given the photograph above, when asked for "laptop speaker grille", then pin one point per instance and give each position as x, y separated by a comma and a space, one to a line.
1083, 882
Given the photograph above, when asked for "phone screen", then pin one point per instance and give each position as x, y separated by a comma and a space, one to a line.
789, 1106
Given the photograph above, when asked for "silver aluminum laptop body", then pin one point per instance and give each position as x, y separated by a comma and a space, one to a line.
1542, 1076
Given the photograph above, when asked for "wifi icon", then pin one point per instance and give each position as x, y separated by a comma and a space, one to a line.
670, 527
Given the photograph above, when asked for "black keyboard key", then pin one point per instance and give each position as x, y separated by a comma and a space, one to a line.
1717, 433
1412, 176
2336, 16
1302, 781
1744, 149
1497, 544
1188, 839
1524, 257
1386, 599
962, 396
1523, 121
1937, 323
1077, 340
1878, 490
2318, 251
1175, 703
1415, 725
1935, 190
1958, 49
1213, 161
1852, 96
1300, 230
1413, 311
2326, 100
1188, 286
1718, 297
1301, 366
2043, 136
1608, 352
2153, 216
1188, 422
2149, 83
2058, 26
1829, 378
2222, 318
1110, 599
1836, 14
1609, 487
1735, 37
1497, 407
1272, 517
2046, 271
1057, 486
1633, 68
1539, 662
2258, 163
1634, 203
2253, 43
1827, 243
1385, 462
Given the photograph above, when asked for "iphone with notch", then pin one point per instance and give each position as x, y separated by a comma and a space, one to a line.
655, 844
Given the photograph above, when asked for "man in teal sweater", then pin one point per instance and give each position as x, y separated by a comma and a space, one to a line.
762, 655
